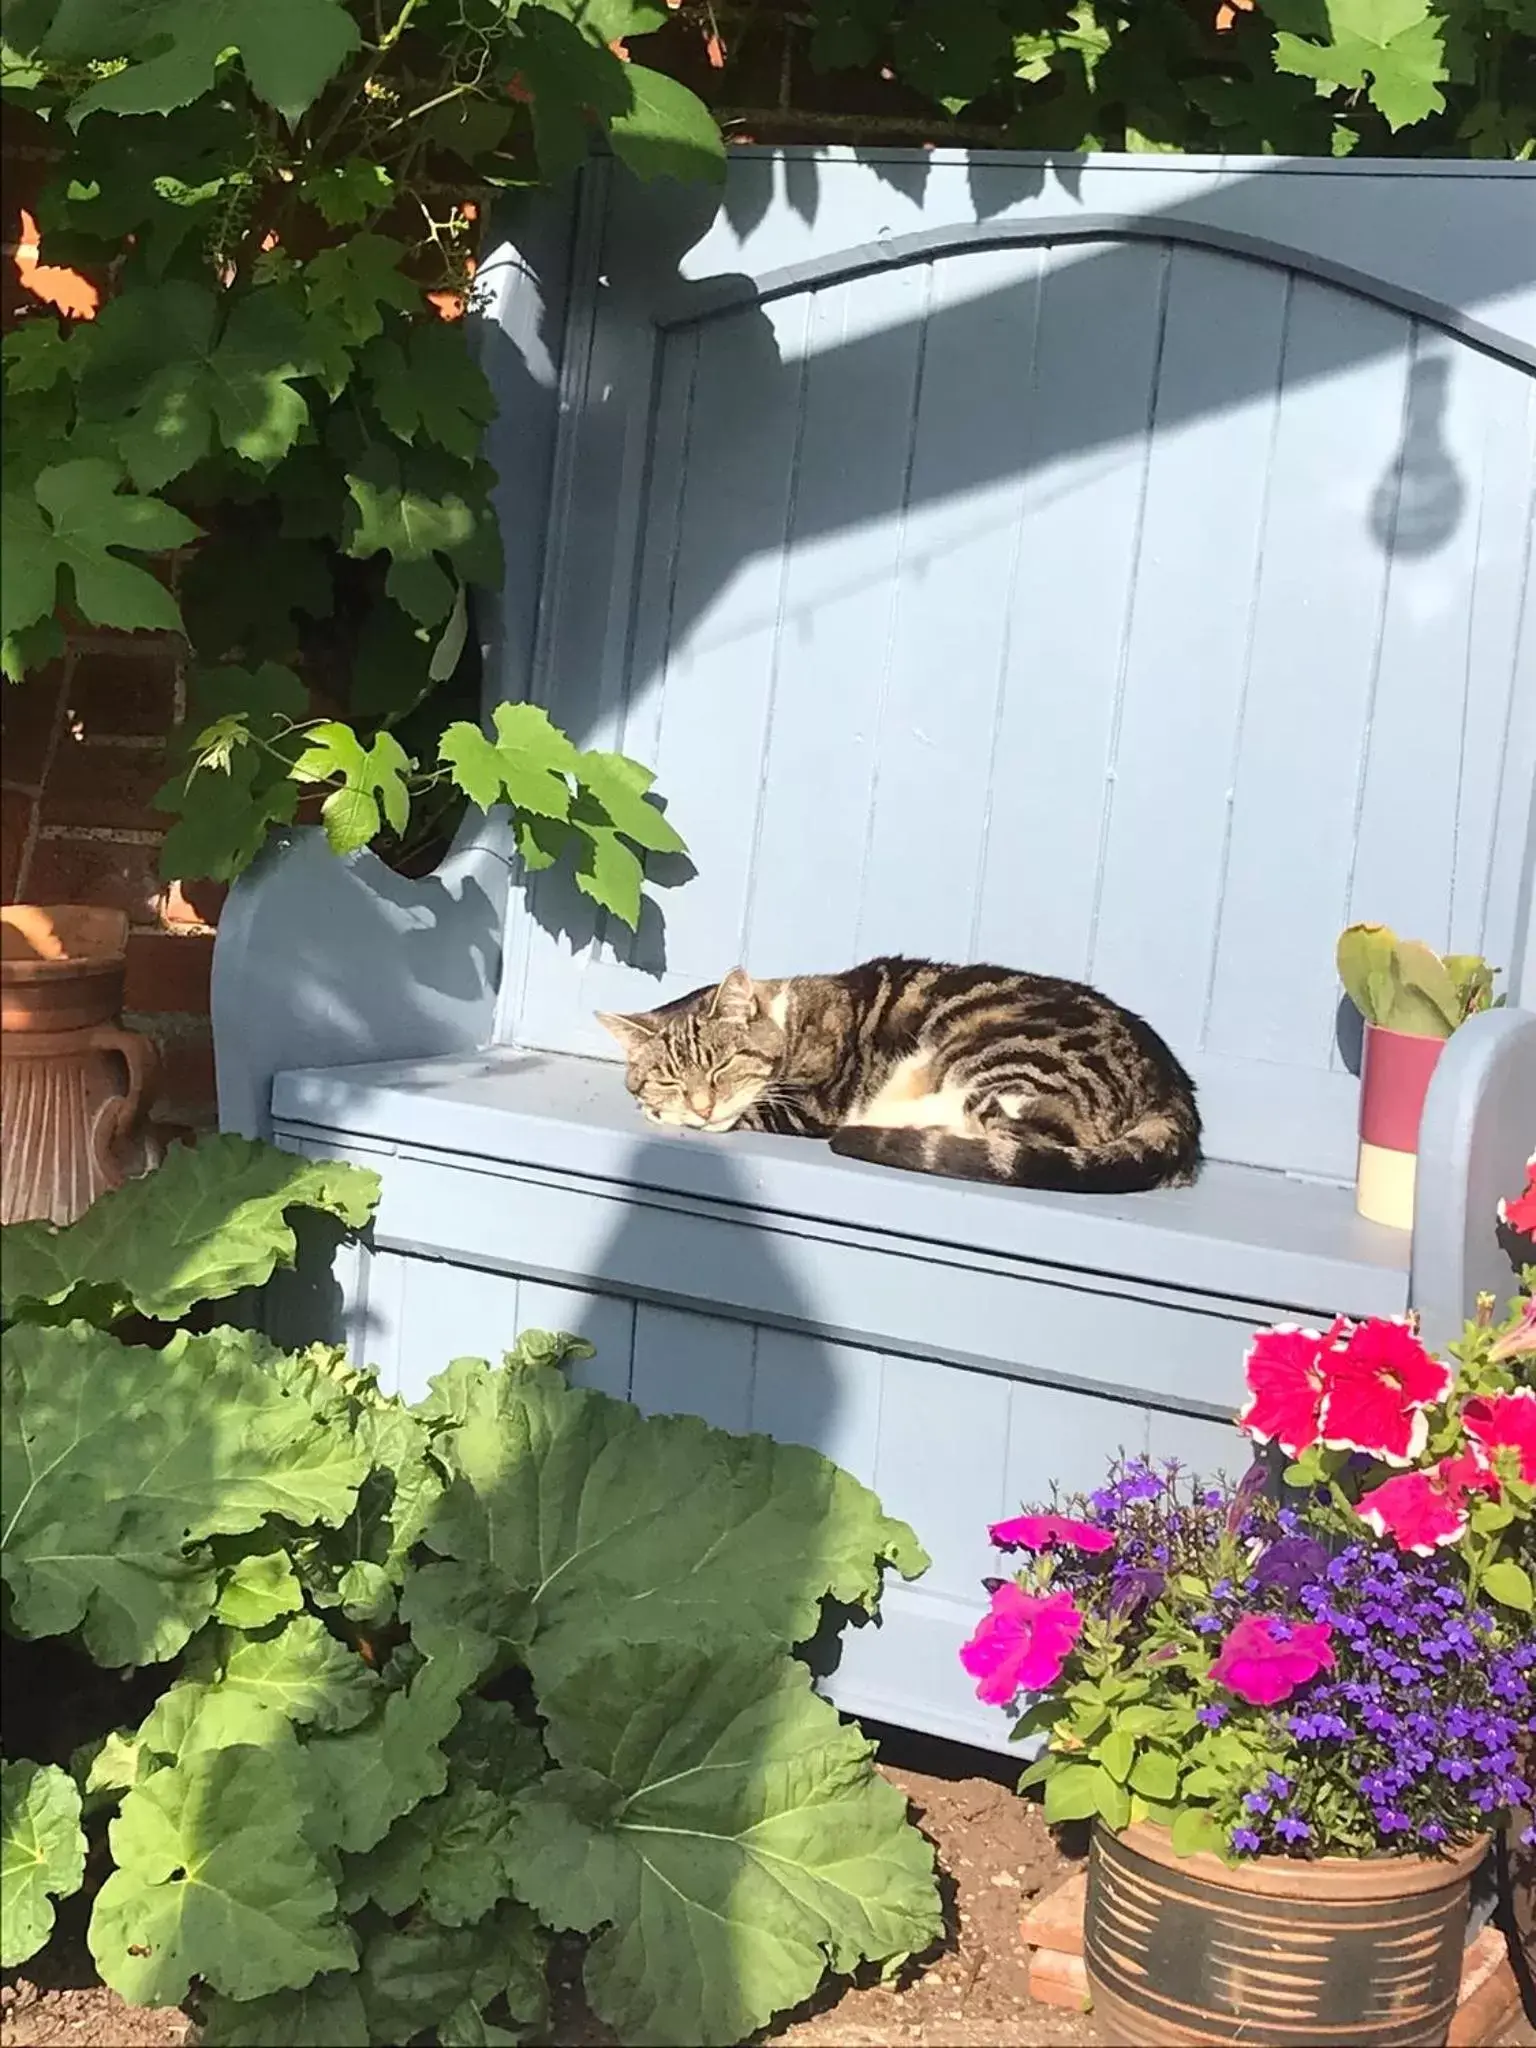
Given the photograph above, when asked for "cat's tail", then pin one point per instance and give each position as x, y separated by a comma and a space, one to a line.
1161, 1150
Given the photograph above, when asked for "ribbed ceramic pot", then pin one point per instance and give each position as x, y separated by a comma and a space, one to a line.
1396, 1070
1360, 1951
75, 1087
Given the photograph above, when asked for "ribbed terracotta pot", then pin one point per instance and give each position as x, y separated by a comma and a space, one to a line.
75, 1088
1395, 1075
1184, 1949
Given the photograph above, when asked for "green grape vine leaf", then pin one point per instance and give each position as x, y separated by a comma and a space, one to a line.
73, 519
289, 50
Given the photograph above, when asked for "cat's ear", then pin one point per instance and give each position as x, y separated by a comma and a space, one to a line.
631, 1032
735, 1000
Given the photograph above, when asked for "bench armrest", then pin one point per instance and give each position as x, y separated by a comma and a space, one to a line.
324, 962
1479, 1129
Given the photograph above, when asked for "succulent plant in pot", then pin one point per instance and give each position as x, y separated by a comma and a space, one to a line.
1411, 998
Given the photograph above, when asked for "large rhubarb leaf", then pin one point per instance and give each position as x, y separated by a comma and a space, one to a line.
729, 1835
210, 1221
362, 1781
117, 1461
42, 1854
216, 1879
575, 1522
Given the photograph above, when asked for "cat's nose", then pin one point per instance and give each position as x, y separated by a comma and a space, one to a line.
701, 1101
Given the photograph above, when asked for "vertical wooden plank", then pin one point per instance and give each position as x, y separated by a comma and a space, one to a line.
381, 1342
1101, 316
1312, 681
1498, 745
807, 804
808, 1391
706, 631
1066, 1440
1416, 770
727, 598
605, 1320
949, 638
449, 1312
1187, 644
688, 1364
561, 975
941, 1465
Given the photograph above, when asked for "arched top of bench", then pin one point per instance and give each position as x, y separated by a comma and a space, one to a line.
712, 298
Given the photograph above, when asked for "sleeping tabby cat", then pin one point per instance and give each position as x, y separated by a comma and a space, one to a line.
977, 1072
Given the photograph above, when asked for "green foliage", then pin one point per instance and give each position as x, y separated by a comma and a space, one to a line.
705, 1785
1403, 985
62, 533
438, 1679
1291, 77
270, 385
211, 1221
42, 1854
110, 1501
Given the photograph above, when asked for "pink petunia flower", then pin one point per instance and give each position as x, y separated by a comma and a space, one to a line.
1423, 1511
1284, 1371
1505, 1422
1264, 1659
1519, 1211
1041, 1532
1021, 1645
1380, 1381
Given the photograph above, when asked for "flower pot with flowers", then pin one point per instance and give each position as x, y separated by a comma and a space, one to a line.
1411, 999
1295, 1707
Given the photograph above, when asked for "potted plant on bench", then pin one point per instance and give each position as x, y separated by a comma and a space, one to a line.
1412, 999
1295, 1714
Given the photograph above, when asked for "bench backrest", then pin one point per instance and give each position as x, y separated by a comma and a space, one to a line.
1120, 569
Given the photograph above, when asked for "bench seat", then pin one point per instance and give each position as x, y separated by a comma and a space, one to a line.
1292, 1246
956, 1347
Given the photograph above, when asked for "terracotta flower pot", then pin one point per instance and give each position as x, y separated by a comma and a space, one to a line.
75, 1088
1394, 1081
1365, 1951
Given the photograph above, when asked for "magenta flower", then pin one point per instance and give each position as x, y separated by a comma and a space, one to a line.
1021, 1644
1264, 1660
1040, 1532
1284, 1371
1421, 1511
1505, 1422
1380, 1381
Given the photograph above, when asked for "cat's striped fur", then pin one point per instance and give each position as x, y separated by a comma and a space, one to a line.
978, 1072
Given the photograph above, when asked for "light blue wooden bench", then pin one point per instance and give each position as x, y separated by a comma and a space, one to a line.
1120, 568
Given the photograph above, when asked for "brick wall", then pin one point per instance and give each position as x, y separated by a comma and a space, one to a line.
82, 751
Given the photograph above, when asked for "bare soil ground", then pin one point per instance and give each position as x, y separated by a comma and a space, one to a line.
996, 1857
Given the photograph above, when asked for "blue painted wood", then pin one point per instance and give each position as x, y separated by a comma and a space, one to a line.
1238, 1234
1478, 1131
693, 1364
1120, 569
1101, 653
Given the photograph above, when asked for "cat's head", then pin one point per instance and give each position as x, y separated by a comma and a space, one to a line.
704, 1062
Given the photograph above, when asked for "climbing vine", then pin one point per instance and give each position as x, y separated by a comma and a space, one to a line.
268, 436
1302, 77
